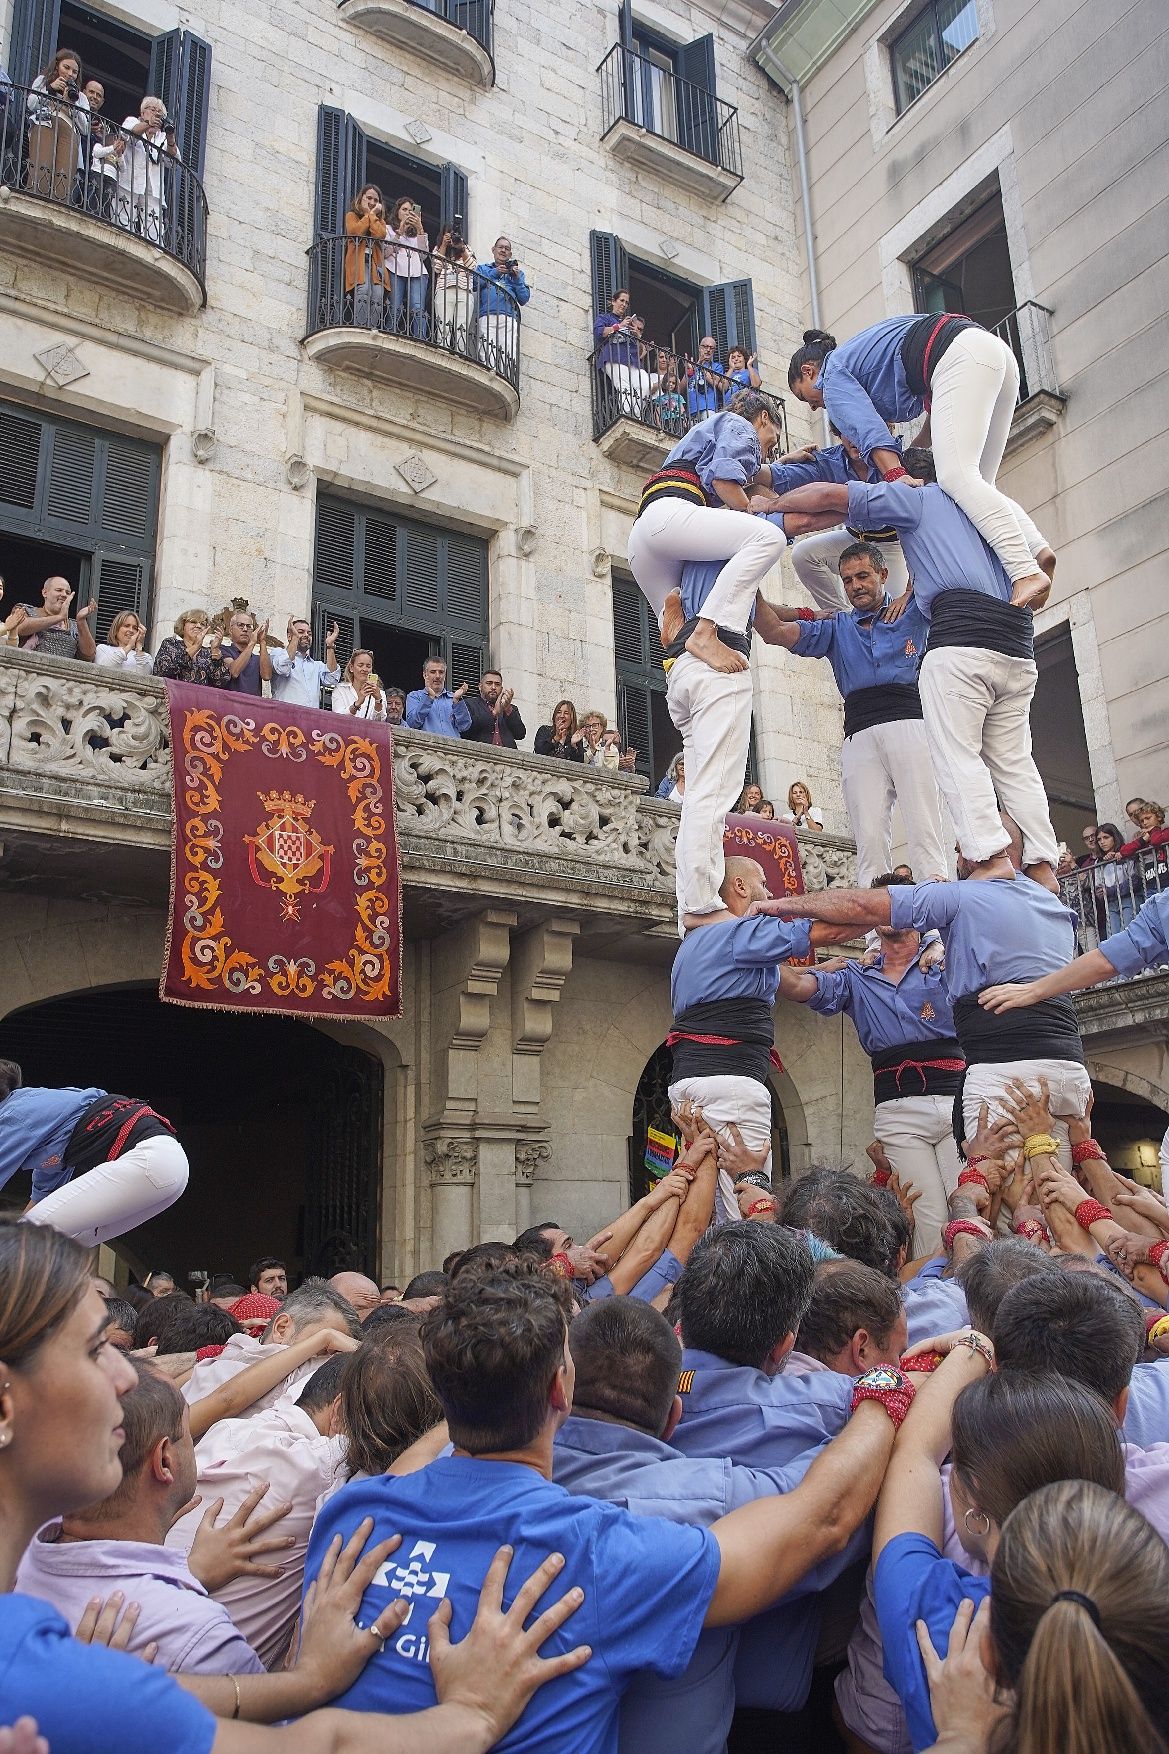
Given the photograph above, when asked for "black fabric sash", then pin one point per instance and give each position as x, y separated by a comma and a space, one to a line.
749, 1028
1047, 1031
919, 374
905, 1070
738, 642
962, 617
110, 1127
672, 484
882, 704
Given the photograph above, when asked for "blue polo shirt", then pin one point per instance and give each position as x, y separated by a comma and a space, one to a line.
703, 397
994, 928
886, 1012
666, 1271
933, 1305
647, 1586
723, 448
1146, 1419
1144, 943
86, 1699
912, 1582
736, 959
35, 1124
863, 650
249, 680
758, 1421
943, 550
864, 387
442, 717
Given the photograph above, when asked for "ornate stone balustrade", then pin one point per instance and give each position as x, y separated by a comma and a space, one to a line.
84, 753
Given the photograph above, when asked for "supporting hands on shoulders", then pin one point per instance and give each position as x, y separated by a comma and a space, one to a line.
964, 1700
221, 1554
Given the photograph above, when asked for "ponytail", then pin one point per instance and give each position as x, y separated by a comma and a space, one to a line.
1074, 1695
818, 344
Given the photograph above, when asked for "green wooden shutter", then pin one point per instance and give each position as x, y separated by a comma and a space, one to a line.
728, 313
333, 562
697, 118
420, 598
36, 32
379, 558
116, 583
610, 266
193, 99
453, 200
20, 457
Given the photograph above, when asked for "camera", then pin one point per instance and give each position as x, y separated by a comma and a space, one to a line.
511, 262
72, 90
458, 241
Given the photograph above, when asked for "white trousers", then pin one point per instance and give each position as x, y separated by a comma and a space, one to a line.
630, 382
880, 765
973, 395
816, 560
977, 706
724, 1099
713, 713
918, 1135
112, 1198
1068, 1081
670, 533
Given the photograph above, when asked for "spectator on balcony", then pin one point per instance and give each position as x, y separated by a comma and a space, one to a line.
58, 116
601, 747
51, 629
705, 380
673, 786
298, 677
1133, 811
1113, 877
246, 651
742, 371
766, 810
360, 693
502, 289
1088, 836
620, 354
494, 715
150, 137
395, 706
125, 647
562, 739
1153, 833
102, 147
407, 252
434, 708
749, 800
668, 401
365, 266
801, 810
453, 308
193, 653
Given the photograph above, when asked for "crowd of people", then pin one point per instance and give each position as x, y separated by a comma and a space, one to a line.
1117, 871
658, 386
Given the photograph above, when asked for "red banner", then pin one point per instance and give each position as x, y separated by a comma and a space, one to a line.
774, 847
285, 890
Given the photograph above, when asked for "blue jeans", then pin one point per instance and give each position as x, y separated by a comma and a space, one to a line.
409, 294
1119, 910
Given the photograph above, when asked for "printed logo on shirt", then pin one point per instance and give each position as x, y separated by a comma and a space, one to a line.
910, 649
927, 1013
412, 1581
685, 1382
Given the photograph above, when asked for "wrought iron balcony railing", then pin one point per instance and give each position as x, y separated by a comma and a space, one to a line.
664, 392
634, 89
1027, 333
1105, 896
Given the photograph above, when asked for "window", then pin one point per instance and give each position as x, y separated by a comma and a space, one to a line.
922, 52
404, 590
81, 503
969, 270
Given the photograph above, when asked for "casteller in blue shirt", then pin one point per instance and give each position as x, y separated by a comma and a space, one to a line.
911, 1582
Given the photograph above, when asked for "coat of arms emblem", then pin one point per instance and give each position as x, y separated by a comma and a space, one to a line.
286, 853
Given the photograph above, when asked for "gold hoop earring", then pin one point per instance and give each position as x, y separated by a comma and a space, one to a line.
982, 1533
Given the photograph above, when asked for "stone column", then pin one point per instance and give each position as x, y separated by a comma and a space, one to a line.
451, 1166
528, 1157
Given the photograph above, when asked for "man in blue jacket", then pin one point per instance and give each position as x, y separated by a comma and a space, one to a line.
502, 289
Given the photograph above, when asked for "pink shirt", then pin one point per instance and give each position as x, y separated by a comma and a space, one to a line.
195, 1635
240, 1351
284, 1447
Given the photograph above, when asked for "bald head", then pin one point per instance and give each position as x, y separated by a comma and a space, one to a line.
743, 883
358, 1291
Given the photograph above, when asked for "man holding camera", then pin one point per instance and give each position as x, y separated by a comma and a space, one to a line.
502, 289
150, 136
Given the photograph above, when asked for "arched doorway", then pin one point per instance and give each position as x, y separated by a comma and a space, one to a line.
283, 1125
1130, 1125
651, 1108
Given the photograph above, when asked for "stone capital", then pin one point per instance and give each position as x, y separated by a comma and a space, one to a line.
451, 1162
528, 1158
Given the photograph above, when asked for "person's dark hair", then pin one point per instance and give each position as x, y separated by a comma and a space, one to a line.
482, 1257
619, 292
263, 1265
888, 880
11, 1078
1113, 1283
1118, 839
432, 1283
324, 1385
900, 1226
49, 73
385, 1315
744, 1291
919, 461
355, 204
846, 1297
533, 1241
151, 1410
843, 1212
990, 1272
178, 1325
398, 693
43, 1277
1075, 1326
493, 1348
818, 344
122, 1314
387, 1398
751, 404
1014, 1432
225, 1287
863, 551
627, 1360
1080, 1623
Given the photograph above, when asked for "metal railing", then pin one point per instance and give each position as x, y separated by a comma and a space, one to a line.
451, 308
665, 392
1105, 895
476, 17
61, 152
1027, 333
634, 89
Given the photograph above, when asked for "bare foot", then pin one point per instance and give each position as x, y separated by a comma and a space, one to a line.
673, 619
1043, 874
1031, 592
705, 645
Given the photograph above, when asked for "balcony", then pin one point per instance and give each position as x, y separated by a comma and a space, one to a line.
1104, 898
658, 122
446, 349
140, 229
85, 804
639, 416
1027, 332
455, 35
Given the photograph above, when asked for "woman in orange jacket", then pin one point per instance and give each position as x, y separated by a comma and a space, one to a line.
365, 227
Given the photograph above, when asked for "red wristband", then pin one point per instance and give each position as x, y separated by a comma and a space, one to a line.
973, 1175
961, 1227
1031, 1229
1157, 1256
980, 1158
1085, 1149
891, 1387
766, 1204
805, 615
1090, 1212
880, 1178
923, 1362
896, 474
561, 1266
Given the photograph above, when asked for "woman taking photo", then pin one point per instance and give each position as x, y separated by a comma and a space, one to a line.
365, 269
968, 380
360, 694
1113, 877
124, 647
454, 293
407, 247
60, 1386
184, 657
58, 114
801, 810
561, 738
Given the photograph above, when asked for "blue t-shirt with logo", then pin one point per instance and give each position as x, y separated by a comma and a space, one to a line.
647, 1585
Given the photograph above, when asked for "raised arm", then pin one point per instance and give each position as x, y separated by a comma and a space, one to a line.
797, 985
911, 1497
238, 1393
834, 907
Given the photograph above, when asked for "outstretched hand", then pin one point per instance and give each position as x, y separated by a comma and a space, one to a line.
1008, 996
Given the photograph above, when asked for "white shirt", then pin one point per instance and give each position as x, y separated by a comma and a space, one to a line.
240, 1351
118, 658
344, 696
812, 815
140, 167
298, 680
284, 1447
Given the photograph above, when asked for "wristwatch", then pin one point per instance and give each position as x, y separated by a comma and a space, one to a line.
889, 1386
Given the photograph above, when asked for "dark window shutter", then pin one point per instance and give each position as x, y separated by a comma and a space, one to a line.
465, 664
697, 116
36, 30
129, 490
466, 581
20, 452
346, 634
728, 313
634, 721
192, 100
628, 643
379, 557
610, 268
420, 571
751, 777
454, 198
118, 583
340, 168
625, 23
335, 545
163, 78
71, 470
